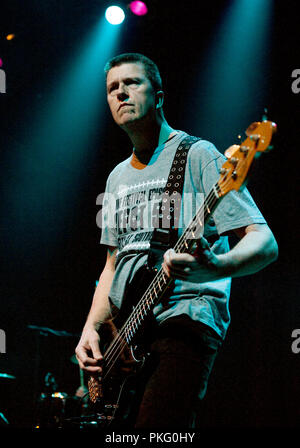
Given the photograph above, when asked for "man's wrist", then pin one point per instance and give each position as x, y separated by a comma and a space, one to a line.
92, 325
227, 265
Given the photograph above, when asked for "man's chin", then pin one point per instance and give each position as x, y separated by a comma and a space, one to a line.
127, 122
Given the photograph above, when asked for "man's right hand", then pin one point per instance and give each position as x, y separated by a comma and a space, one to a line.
88, 351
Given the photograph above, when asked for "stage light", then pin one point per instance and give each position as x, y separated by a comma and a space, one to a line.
138, 8
232, 84
1, 62
10, 37
63, 134
114, 15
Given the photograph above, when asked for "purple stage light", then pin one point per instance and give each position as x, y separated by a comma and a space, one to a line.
138, 8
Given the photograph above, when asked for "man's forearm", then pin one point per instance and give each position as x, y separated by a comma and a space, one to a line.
100, 308
253, 252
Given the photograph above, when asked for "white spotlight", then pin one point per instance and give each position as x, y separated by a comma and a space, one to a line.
114, 15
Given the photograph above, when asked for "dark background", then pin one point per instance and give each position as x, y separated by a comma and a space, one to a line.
48, 276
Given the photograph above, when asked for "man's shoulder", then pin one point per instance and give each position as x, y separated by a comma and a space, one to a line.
204, 151
119, 167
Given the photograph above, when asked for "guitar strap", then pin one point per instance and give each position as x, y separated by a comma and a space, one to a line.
166, 222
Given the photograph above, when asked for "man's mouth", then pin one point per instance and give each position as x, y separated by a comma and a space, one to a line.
124, 104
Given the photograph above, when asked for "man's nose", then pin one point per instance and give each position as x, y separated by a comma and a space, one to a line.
122, 92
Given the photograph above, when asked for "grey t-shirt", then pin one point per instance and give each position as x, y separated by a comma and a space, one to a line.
131, 200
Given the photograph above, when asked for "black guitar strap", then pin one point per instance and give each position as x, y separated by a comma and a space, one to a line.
166, 223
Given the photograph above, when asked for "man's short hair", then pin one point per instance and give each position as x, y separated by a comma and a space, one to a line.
151, 69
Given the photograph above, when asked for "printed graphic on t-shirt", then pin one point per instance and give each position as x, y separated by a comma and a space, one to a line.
135, 213
135, 210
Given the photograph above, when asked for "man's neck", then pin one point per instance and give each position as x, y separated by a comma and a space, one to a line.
146, 140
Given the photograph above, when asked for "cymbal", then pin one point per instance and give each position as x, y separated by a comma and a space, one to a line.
6, 375
73, 359
45, 331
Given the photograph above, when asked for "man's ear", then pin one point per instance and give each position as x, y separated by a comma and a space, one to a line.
159, 99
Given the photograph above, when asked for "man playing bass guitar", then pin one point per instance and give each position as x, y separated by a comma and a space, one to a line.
193, 318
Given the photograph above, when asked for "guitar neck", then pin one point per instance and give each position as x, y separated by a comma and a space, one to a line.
196, 227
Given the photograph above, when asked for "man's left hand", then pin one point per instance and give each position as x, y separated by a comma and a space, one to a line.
202, 266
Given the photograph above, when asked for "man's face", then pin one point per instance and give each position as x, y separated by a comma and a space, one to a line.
130, 94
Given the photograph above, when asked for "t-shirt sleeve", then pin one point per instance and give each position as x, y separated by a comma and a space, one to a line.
237, 208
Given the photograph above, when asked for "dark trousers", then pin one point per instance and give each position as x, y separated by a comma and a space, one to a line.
175, 375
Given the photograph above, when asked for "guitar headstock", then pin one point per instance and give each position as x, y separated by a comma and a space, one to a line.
239, 157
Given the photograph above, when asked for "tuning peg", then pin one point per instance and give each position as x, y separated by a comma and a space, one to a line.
244, 149
255, 137
252, 128
233, 160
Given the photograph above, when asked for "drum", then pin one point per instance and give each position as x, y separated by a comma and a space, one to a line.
50, 410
